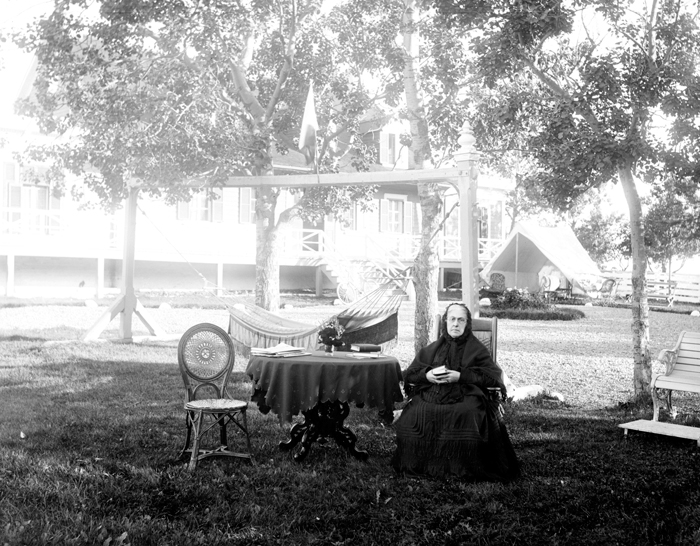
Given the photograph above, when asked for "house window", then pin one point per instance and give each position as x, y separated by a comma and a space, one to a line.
496, 220
371, 140
391, 218
203, 207
30, 203
246, 206
391, 149
10, 173
483, 223
491, 220
363, 220
416, 217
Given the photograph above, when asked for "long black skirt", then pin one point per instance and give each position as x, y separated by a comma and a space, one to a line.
466, 439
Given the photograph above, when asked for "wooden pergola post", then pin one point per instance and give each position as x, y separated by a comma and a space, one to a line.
126, 304
467, 159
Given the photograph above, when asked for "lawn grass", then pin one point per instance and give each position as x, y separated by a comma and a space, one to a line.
90, 435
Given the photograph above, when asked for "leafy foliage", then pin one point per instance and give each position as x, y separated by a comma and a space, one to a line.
169, 94
553, 313
583, 84
515, 298
601, 234
666, 226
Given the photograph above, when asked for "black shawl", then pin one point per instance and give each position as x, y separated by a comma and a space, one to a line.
476, 367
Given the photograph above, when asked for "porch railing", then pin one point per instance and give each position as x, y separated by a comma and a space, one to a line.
63, 231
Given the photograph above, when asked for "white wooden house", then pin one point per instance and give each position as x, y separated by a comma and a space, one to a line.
51, 247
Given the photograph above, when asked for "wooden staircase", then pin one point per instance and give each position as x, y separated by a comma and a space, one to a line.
356, 277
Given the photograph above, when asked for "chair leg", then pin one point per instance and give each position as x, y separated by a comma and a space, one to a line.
188, 436
221, 419
247, 434
655, 401
197, 418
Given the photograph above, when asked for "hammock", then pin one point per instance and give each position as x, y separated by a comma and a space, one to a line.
371, 319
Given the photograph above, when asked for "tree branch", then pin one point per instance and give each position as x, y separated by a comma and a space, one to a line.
554, 86
238, 72
290, 51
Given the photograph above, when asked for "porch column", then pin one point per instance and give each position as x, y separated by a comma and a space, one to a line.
467, 159
319, 282
10, 284
220, 279
100, 288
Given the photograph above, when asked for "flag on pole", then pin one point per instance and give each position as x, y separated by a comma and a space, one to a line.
309, 126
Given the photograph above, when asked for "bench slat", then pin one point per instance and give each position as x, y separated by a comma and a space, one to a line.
677, 384
688, 368
689, 352
687, 374
680, 387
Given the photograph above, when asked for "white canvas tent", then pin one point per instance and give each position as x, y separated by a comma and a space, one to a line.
533, 257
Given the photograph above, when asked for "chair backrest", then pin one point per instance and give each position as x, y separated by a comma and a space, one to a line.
497, 281
484, 329
205, 355
608, 286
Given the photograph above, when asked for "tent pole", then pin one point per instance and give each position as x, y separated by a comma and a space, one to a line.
517, 252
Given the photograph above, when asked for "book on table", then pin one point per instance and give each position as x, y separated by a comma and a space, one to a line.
279, 350
365, 348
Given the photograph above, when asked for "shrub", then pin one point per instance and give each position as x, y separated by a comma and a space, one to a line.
522, 305
555, 313
520, 299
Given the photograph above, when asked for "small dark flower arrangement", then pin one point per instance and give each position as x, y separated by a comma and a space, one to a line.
330, 333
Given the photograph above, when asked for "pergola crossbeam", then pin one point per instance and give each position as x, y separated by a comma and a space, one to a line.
329, 179
464, 177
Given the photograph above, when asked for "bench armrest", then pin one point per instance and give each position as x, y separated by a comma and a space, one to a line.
669, 358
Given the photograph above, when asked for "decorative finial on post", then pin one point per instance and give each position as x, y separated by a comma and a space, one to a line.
467, 155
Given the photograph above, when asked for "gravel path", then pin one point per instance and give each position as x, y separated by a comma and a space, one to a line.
589, 361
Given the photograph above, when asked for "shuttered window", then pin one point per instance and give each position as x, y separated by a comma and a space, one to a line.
392, 215
203, 207
246, 206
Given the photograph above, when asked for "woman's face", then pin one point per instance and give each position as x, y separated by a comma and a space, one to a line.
456, 320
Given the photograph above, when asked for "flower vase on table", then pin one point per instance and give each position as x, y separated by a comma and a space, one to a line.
329, 335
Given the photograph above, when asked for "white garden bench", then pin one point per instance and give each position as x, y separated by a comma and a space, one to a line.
682, 374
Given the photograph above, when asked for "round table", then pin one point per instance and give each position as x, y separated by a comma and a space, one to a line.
321, 386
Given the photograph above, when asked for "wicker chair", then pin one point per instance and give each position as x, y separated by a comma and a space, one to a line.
206, 357
497, 282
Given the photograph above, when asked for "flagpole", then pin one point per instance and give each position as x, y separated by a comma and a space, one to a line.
309, 127
318, 176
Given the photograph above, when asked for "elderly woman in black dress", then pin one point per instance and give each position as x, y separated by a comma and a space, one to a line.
450, 427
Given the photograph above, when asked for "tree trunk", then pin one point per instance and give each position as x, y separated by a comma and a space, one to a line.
426, 267
267, 262
640, 305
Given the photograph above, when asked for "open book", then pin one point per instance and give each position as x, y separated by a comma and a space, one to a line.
280, 350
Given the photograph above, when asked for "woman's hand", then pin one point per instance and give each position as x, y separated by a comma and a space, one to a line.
450, 376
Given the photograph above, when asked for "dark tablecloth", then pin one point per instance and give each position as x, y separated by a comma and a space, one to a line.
288, 386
